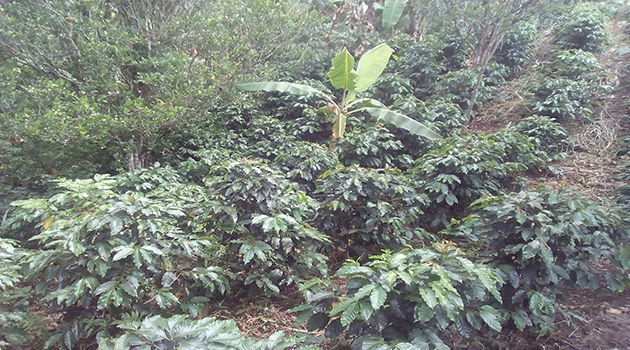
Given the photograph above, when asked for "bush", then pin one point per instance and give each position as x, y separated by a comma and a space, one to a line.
561, 98
442, 115
362, 207
550, 138
149, 242
423, 63
178, 332
517, 46
458, 86
260, 217
412, 296
463, 169
373, 147
542, 241
585, 30
573, 64
391, 87
305, 163
100, 249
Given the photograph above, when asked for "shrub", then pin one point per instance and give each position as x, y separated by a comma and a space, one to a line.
260, 217
423, 63
305, 163
464, 168
313, 126
584, 30
149, 242
442, 115
561, 98
18, 323
408, 296
550, 138
458, 86
542, 241
573, 64
100, 249
516, 48
391, 87
178, 332
361, 207
373, 147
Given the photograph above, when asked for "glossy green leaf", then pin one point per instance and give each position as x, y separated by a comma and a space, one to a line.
350, 314
423, 313
490, 316
378, 297
403, 121
371, 66
342, 74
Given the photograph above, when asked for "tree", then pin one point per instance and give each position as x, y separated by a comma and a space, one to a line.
108, 85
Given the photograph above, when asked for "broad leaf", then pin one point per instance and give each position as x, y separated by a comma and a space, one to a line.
490, 316
342, 74
392, 11
403, 121
280, 86
371, 66
378, 297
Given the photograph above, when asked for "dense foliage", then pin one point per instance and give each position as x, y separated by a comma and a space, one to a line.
145, 183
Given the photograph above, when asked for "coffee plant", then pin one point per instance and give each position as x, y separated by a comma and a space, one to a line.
561, 98
541, 240
463, 169
179, 332
148, 202
374, 147
516, 49
573, 64
361, 207
584, 30
550, 139
412, 295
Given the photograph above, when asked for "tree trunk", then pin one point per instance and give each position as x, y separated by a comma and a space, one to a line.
621, 11
483, 53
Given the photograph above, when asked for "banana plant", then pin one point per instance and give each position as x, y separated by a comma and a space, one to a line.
344, 76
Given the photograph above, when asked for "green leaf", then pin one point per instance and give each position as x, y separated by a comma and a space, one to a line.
317, 321
521, 319
403, 121
366, 310
350, 314
339, 125
371, 66
122, 343
296, 89
116, 225
392, 11
428, 295
490, 316
342, 74
105, 287
365, 290
167, 279
423, 313
378, 297
341, 306
123, 253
